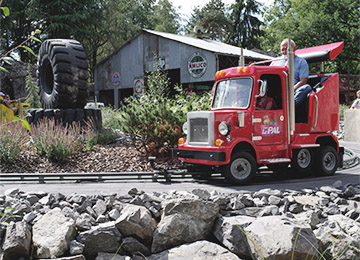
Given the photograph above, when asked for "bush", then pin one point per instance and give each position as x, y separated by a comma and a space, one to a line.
54, 141
14, 140
153, 120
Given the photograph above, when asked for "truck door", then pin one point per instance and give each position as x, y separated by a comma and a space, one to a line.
269, 125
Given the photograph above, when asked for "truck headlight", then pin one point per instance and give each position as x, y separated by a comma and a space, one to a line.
185, 128
224, 128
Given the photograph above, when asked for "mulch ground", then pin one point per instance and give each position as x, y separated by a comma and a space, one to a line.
106, 158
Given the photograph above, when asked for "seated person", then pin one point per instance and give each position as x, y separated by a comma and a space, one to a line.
7, 102
265, 103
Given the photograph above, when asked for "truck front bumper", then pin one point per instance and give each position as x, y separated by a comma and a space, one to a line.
199, 155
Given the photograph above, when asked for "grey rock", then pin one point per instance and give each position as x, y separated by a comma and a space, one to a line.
52, 234
229, 231
277, 237
110, 256
17, 241
132, 246
198, 250
29, 217
103, 238
99, 207
184, 221
76, 247
136, 220
84, 222
114, 214
77, 257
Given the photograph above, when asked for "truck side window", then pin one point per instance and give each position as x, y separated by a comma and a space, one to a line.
274, 89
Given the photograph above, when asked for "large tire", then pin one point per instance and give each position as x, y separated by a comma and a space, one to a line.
302, 161
327, 161
62, 74
241, 169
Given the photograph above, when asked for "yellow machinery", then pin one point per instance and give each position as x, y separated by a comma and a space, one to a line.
7, 114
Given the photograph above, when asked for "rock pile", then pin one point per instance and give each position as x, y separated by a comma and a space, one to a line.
271, 224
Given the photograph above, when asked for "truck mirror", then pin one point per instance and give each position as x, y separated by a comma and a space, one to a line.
262, 88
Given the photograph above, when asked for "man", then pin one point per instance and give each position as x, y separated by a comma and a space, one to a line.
5, 100
301, 72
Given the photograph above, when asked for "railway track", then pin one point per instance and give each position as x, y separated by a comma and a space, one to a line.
167, 174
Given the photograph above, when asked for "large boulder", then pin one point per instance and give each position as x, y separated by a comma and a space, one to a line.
136, 221
198, 250
103, 238
184, 221
17, 241
52, 234
229, 231
281, 238
340, 237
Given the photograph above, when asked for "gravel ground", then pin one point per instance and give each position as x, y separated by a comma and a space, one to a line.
116, 157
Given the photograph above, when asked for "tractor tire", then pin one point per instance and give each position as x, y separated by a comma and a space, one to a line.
62, 74
91, 117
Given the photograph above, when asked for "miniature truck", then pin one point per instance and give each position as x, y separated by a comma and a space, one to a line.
237, 139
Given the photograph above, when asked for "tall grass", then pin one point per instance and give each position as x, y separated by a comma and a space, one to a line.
13, 140
54, 141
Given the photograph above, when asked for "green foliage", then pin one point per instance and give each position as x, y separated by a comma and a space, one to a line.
33, 98
54, 141
245, 24
153, 120
316, 22
110, 118
13, 141
214, 18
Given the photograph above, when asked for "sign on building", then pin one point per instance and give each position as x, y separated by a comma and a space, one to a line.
197, 65
116, 79
138, 86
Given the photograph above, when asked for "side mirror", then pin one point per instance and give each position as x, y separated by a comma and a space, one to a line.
262, 88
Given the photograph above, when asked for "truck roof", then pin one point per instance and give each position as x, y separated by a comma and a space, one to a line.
321, 53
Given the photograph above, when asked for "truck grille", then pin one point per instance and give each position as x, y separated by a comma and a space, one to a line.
200, 128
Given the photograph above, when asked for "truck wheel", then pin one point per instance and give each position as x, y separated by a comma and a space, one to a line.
302, 160
241, 169
62, 74
327, 161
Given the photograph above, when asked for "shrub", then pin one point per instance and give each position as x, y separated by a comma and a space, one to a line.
55, 141
153, 120
13, 141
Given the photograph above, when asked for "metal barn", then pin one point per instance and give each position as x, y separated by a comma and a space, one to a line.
189, 61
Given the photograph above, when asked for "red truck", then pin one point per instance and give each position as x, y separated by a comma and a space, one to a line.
238, 139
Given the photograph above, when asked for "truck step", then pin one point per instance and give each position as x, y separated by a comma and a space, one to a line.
276, 160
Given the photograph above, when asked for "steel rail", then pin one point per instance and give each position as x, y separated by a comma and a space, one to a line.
156, 175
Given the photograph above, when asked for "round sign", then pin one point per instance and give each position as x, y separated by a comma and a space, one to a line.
116, 79
138, 87
197, 65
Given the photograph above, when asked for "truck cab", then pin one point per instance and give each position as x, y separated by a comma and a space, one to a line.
237, 137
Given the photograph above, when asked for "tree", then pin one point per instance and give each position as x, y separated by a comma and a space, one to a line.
213, 17
245, 24
165, 17
317, 22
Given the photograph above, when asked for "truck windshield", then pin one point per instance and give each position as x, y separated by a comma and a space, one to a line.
233, 93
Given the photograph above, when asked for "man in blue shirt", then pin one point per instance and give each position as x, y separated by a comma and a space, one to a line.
301, 72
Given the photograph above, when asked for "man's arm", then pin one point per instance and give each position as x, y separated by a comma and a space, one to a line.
302, 82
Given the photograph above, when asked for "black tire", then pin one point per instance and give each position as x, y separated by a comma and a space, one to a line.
327, 161
241, 169
62, 74
302, 160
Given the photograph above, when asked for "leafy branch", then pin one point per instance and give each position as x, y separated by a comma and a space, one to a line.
6, 57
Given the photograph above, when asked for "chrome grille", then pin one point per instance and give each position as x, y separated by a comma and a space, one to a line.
199, 130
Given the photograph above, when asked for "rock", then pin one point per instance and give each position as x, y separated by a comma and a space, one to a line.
198, 250
52, 234
114, 214
340, 238
110, 256
184, 221
281, 238
132, 245
77, 257
103, 238
99, 207
76, 248
229, 231
84, 222
17, 241
136, 220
